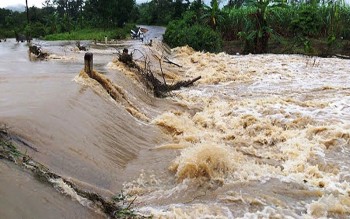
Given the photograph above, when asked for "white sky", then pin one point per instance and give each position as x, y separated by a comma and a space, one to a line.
37, 3
5, 3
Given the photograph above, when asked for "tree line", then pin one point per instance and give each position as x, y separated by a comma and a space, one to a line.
300, 26
59, 16
254, 23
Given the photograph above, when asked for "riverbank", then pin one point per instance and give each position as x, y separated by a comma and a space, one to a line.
312, 47
41, 177
98, 34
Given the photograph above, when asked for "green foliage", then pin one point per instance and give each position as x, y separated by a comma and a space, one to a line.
92, 34
5, 33
7, 148
161, 12
253, 22
307, 45
36, 30
189, 32
290, 20
280, 19
331, 41
256, 32
236, 19
308, 22
212, 15
61, 16
126, 210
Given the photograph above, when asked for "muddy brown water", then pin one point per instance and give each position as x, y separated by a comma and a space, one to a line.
76, 131
22, 196
260, 136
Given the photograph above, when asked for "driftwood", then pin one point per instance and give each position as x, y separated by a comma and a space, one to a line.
170, 62
125, 57
36, 50
159, 88
80, 47
342, 56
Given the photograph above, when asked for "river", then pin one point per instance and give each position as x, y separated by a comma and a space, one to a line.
259, 136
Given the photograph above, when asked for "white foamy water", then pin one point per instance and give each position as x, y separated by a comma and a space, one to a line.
264, 136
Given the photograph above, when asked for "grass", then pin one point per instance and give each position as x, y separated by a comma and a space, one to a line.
7, 149
93, 34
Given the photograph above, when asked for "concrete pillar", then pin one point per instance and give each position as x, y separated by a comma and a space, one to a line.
88, 59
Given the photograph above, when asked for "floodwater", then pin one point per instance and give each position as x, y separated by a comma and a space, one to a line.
23, 197
258, 136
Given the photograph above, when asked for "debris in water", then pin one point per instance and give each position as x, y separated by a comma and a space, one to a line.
38, 52
159, 88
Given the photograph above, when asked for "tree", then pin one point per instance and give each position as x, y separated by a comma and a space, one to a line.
212, 14
108, 13
235, 3
257, 31
27, 11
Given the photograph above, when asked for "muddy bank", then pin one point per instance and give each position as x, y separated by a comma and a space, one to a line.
318, 47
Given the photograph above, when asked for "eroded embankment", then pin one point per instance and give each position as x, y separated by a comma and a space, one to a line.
115, 92
80, 134
275, 122
101, 206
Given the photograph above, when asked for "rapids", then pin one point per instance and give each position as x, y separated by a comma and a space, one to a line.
259, 136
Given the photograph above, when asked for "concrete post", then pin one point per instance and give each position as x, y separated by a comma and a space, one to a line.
106, 40
88, 59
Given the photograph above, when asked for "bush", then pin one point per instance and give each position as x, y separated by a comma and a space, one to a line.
35, 30
308, 23
188, 32
4, 33
235, 21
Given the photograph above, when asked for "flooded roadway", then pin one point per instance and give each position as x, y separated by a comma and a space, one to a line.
260, 136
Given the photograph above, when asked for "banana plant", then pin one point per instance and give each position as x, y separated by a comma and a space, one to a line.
257, 32
212, 14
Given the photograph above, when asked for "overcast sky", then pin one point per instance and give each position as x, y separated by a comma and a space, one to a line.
4, 3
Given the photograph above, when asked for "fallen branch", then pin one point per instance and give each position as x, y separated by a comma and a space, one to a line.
160, 89
188, 83
170, 62
342, 56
